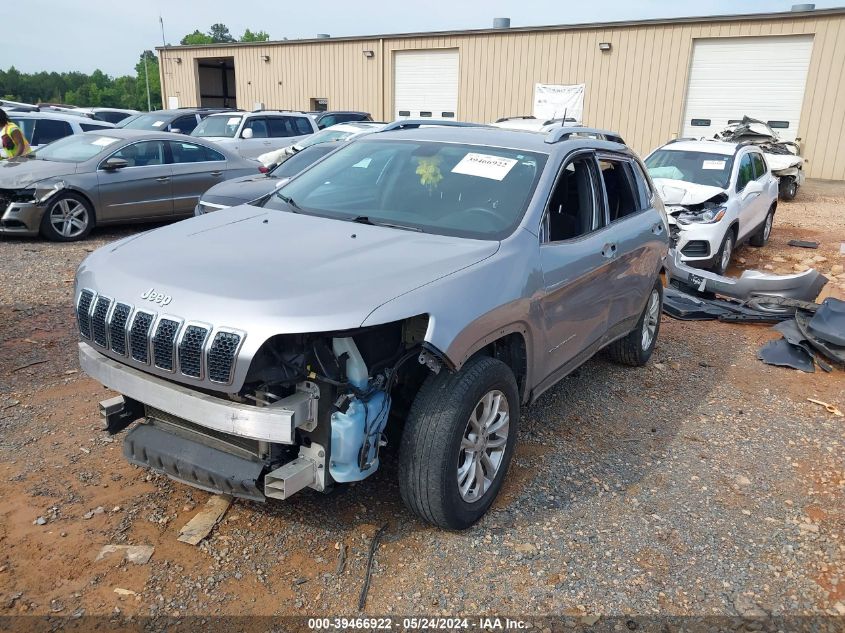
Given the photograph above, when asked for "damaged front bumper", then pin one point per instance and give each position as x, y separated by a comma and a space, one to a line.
21, 218
274, 423
804, 286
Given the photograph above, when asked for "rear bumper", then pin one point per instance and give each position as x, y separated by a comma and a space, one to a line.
274, 423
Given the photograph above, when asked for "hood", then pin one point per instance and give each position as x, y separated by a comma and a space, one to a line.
783, 161
269, 272
240, 190
681, 192
22, 172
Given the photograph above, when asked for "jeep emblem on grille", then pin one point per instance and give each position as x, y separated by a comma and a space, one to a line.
157, 297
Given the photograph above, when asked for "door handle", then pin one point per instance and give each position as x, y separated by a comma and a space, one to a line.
163, 178
657, 229
609, 250
217, 173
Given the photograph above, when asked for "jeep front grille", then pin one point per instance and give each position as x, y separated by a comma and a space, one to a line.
163, 341
82, 312
139, 337
195, 350
221, 356
98, 321
190, 350
117, 328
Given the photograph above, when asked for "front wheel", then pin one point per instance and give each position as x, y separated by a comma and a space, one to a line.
68, 218
457, 443
788, 188
723, 257
635, 349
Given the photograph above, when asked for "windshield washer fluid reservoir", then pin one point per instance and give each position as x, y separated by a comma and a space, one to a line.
355, 437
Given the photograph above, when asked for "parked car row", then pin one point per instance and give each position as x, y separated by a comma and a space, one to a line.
718, 194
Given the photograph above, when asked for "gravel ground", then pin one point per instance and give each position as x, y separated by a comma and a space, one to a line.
700, 485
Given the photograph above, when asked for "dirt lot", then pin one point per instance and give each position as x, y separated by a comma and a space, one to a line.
702, 484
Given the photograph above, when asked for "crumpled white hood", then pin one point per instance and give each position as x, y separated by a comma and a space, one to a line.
681, 192
783, 161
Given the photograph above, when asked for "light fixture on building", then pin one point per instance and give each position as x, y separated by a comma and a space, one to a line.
604, 46
369, 54
266, 58
178, 60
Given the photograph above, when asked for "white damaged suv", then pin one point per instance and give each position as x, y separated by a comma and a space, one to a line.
717, 195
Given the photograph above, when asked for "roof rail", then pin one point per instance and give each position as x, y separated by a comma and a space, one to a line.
514, 118
415, 123
563, 133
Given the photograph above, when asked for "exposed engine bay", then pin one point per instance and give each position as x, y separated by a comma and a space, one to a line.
347, 383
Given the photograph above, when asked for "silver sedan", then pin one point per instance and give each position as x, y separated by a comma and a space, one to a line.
116, 176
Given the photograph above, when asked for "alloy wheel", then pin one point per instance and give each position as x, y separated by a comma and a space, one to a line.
483, 445
727, 252
69, 217
651, 319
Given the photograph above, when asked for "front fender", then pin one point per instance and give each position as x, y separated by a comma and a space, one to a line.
477, 305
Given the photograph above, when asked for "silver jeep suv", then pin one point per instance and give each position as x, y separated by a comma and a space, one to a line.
421, 284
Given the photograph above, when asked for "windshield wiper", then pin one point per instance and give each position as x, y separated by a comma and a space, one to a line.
289, 201
363, 219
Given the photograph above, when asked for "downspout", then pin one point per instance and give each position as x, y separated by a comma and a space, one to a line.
381, 79
161, 78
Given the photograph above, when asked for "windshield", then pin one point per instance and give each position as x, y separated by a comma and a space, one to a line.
449, 189
75, 148
218, 126
325, 136
701, 168
152, 121
299, 161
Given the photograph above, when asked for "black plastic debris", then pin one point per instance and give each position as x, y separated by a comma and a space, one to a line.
828, 323
789, 330
784, 354
834, 353
803, 243
687, 307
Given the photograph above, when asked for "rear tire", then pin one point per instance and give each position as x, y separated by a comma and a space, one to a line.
726, 252
761, 235
458, 442
787, 188
69, 217
636, 348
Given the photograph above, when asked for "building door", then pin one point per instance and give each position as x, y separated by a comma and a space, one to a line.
761, 77
425, 84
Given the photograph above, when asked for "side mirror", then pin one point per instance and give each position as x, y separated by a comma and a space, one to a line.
113, 164
753, 186
247, 133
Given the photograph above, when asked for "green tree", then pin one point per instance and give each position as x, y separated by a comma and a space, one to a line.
220, 33
192, 39
257, 36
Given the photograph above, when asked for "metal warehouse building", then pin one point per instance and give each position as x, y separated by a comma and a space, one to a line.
651, 80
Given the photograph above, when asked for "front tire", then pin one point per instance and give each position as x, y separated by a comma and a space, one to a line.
788, 188
68, 218
636, 348
458, 442
726, 252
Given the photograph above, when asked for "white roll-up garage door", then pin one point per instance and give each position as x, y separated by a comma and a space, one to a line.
762, 77
426, 84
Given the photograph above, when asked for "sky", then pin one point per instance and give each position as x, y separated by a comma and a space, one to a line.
85, 35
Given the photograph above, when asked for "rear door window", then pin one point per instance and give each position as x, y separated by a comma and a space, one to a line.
623, 198
193, 153
49, 130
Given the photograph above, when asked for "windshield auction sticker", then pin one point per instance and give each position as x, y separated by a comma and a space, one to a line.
713, 164
104, 140
484, 166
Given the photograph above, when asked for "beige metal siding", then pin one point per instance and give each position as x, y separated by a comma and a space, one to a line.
637, 88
